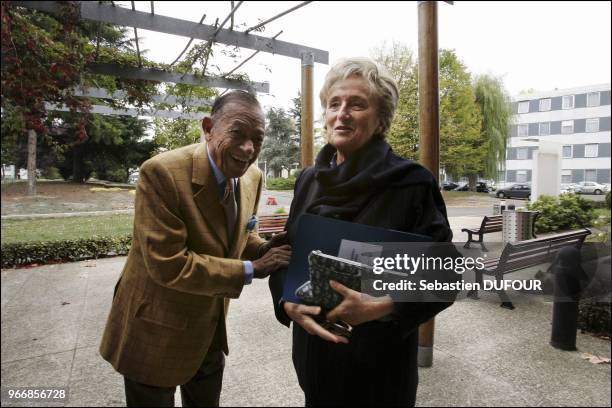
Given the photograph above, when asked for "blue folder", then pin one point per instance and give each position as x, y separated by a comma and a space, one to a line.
325, 234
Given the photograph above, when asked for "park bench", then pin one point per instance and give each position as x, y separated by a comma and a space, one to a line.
272, 224
524, 254
489, 224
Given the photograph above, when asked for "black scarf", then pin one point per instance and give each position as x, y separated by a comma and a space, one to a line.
343, 191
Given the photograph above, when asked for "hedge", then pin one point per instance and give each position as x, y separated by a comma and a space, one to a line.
594, 316
280, 183
24, 253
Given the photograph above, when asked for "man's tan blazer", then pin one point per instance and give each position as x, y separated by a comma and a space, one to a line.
173, 293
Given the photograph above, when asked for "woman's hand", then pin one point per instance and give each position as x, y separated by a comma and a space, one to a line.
357, 308
303, 315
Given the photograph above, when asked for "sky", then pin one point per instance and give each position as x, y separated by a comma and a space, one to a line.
531, 45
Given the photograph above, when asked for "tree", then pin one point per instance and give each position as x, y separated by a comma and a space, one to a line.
115, 144
280, 149
174, 133
403, 135
296, 113
496, 111
42, 58
461, 141
43, 61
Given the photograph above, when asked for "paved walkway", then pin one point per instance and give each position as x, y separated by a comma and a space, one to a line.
53, 317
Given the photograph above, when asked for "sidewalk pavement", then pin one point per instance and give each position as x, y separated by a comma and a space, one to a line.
484, 355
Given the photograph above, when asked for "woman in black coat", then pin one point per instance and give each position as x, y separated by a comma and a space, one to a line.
358, 178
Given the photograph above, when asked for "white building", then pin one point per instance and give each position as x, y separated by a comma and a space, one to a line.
577, 118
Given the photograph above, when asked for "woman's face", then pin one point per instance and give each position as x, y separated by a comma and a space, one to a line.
351, 116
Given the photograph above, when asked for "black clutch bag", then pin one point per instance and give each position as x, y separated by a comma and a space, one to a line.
324, 268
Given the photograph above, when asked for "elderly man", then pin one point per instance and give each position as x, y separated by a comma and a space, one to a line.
194, 234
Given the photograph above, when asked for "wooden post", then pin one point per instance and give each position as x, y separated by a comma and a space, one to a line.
307, 137
31, 162
429, 128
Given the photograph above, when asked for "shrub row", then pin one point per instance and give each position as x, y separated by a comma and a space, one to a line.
594, 316
280, 183
24, 253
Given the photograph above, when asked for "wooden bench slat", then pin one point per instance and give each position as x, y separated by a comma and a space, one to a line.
523, 254
271, 224
488, 225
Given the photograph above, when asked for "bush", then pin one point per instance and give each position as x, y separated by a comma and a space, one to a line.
608, 200
116, 175
594, 316
567, 212
51, 173
23, 253
280, 183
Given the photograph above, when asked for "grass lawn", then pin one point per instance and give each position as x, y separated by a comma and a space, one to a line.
58, 229
468, 199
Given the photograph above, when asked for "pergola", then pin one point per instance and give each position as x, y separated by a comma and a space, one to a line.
112, 14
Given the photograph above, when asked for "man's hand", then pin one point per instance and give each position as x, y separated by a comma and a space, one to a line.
357, 308
273, 260
302, 315
276, 241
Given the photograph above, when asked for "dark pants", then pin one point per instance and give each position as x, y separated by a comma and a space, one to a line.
203, 390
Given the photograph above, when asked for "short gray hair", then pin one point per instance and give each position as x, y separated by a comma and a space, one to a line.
382, 86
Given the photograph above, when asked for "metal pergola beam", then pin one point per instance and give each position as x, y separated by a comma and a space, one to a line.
246, 60
175, 77
170, 99
107, 110
248, 30
147, 21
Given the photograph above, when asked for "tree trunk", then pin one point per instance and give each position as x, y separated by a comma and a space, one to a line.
472, 180
31, 162
77, 168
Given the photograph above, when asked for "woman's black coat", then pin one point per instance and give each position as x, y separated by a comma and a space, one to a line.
378, 188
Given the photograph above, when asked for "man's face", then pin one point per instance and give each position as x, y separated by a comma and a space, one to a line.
234, 137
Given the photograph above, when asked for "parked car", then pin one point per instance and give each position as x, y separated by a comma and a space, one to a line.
568, 188
500, 185
449, 185
481, 187
133, 178
515, 191
590, 187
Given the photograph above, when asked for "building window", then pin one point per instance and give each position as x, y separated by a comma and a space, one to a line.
544, 128
592, 125
567, 152
523, 130
568, 102
593, 99
544, 104
567, 126
590, 175
566, 176
523, 107
521, 176
591, 150
522, 153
